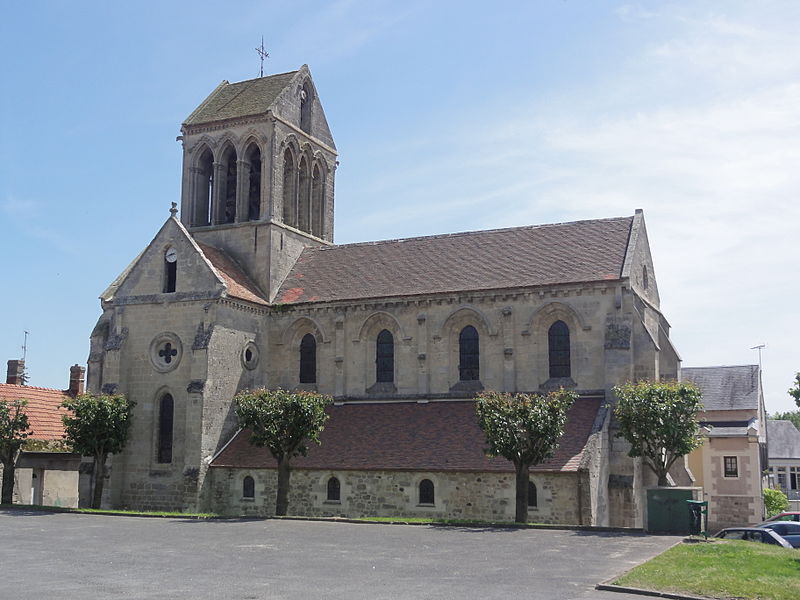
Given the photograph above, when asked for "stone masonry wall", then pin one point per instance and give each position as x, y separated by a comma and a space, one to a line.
479, 496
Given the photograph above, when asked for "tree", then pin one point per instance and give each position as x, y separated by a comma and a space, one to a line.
14, 429
525, 429
794, 391
97, 426
659, 420
789, 415
284, 422
775, 501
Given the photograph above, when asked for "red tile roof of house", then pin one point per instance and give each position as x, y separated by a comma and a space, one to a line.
581, 251
408, 436
44, 409
238, 283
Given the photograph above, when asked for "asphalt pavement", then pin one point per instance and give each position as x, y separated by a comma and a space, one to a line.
95, 557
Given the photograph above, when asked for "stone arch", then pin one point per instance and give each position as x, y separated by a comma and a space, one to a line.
304, 193
252, 159
367, 336
299, 327
449, 334
226, 171
289, 186
541, 321
306, 93
319, 182
163, 444
202, 172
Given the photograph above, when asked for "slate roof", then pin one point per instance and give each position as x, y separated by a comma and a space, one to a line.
238, 283
581, 251
783, 439
44, 409
245, 98
407, 436
726, 388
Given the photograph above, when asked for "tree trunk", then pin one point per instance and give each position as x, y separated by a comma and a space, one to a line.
99, 477
662, 479
8, 482
282, 501
521, 515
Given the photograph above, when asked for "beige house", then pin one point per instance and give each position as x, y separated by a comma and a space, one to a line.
247, 289
731, 463
784, 459
45, 473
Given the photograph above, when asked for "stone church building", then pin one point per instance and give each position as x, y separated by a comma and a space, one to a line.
247, 289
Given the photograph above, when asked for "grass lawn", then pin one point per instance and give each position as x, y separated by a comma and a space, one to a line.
101, 511
722, 569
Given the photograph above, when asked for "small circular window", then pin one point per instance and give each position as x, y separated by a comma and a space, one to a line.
166, 352
250, 355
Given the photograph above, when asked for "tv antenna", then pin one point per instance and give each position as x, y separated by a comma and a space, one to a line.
25, 346
760, 347
262, 54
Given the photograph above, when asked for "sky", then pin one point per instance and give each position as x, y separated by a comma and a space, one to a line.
448, 116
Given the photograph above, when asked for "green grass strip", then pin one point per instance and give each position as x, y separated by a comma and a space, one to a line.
721, 569
102, 511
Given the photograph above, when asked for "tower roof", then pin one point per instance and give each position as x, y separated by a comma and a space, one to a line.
241, 99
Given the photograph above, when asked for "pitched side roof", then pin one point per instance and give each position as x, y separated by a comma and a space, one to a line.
231, 100
437, 436
236, 280
44, 409
581, 251
726, 388
784, 439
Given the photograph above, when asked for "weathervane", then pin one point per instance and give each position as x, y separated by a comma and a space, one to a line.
263, 54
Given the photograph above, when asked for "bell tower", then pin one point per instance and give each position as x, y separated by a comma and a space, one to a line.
258, 173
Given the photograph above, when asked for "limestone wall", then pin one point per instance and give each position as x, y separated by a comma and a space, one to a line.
479, 496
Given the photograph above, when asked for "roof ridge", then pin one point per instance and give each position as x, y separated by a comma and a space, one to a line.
33, 387
721, 367
464, 233
264, 77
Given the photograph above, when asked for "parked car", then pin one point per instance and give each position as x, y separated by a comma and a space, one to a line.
753, 534
785, 516
788, 530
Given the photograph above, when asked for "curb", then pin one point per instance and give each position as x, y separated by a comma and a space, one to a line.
472, 525
607, 587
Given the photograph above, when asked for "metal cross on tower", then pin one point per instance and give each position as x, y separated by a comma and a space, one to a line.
263, 54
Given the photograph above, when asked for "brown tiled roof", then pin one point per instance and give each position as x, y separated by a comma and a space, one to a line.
580, 251
238, 283
437, 436
44, 409
231, 100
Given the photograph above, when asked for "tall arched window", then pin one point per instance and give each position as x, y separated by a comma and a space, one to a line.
426, 495
317, 203
558, 345
248, 487
532, 499
468, 354
384, 357
253, 155
204, 189
304, 197
289, 190
305, 108
334, 490
308, 359
166, 410
227, 212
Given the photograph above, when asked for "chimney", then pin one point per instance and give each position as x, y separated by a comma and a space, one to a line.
16, 372
76, 379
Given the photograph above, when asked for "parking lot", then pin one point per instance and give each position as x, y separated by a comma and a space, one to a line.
45, 555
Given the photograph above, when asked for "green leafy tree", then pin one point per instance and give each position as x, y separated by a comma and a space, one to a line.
659, 420
14, 429
525, 429
790, 415
284, 422
98, 425
775, 501
794, 391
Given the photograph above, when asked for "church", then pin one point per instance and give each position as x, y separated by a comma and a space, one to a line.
244, 287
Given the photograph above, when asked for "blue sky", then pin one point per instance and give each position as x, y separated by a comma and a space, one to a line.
448, 116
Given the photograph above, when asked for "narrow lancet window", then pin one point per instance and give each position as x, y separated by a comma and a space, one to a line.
334, 490
170, 270
204, 189
289, 190
305, 108
304, 197
426, 495
558, 343
533, 501
308, 359
165, 421
384, 357
228, 209
317, 203
254, 185
468, 354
